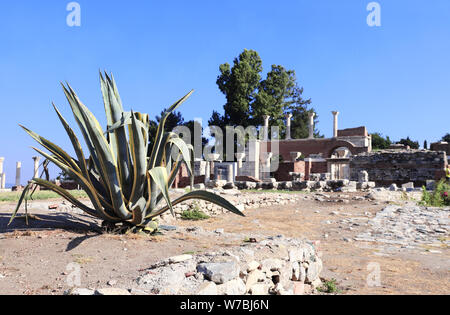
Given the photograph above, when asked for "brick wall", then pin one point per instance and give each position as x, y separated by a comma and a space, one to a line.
352, 132
282, 174
313, 146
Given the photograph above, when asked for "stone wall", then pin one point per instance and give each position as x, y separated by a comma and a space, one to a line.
316, 146
399, 167
441, 146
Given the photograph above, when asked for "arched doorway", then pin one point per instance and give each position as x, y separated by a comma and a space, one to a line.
339, 163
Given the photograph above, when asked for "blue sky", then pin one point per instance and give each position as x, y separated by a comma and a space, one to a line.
394, 79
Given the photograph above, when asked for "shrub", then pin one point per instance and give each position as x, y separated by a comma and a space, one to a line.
194, 215
440, 197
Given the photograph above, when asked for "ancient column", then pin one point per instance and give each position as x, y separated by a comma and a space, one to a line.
2, 160
335, 125
311, 125
266, 127
240, 157
230, 173
266, 156
288, 126
295, 156
36, 160
2, 175
18, 169
207, 172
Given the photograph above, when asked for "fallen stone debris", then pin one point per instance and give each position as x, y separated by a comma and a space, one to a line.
273, 266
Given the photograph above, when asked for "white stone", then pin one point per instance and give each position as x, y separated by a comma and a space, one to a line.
259, 289
179, 259
112, 291
207, 288
253, 265
233, 287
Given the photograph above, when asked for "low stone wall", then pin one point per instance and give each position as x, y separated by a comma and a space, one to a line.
277, 266
399, 167
340, 185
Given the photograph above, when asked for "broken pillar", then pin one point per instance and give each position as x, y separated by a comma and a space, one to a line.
240, 158
295, 156
266, 157
363, 177
18, 170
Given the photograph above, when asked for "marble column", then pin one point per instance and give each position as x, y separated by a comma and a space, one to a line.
36, 160
288, 126
2, 175
335, 124
230, 173
311, 125
266, 157
18, 169
240, 157
2, 160
266, 127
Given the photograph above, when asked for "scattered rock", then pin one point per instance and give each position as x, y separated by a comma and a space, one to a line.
207, 288
79, 291
219, 272
112, 291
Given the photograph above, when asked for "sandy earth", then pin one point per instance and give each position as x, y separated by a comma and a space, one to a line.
36, 259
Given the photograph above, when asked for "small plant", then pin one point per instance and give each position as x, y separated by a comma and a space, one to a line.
329, 287
439, 197
194, 215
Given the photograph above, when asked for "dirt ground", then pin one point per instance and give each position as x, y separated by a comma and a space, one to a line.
36, 259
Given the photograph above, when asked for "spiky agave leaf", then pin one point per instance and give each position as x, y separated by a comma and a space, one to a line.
122, 182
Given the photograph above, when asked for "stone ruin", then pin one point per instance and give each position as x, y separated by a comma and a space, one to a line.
18, 186
400, 167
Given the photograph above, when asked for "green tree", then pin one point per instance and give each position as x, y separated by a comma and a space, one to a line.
174, 120
408, 142
249, 97
240, 85
425, 145
446, 138
379, 142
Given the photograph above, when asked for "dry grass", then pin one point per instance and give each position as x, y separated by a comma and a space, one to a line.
39, 195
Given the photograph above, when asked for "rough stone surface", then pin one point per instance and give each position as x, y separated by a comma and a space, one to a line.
207, 288
112, 291
233, 287
388, 167
219, 272
411, 226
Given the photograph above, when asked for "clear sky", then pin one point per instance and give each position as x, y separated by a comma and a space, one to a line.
394, 79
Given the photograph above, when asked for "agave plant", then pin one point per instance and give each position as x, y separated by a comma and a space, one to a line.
124, 180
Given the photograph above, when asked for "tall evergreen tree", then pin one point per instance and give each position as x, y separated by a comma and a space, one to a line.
249, 97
